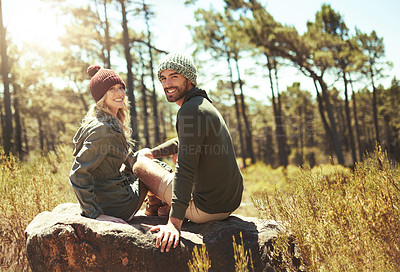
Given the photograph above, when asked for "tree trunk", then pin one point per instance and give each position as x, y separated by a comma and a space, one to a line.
144, 101
283, 133
268, 157
375, 108
130, 87
163, 129
279, 129
348, 118
107, 34
321, 109
17, 120
25, 137
239, 123
389, 138
8, 132
83, 101
247, 128
358, 133
51, 145
337, 143
41, 133
301, 136
154, 96
3, 123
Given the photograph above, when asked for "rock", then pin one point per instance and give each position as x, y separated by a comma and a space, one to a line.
62, 240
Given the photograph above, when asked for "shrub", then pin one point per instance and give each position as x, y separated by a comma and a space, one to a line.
344, 220
28, 188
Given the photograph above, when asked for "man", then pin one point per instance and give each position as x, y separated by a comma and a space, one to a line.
207, 184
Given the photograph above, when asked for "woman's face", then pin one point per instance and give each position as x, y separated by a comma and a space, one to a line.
114, 98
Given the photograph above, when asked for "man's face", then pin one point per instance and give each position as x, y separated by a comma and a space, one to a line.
175, 86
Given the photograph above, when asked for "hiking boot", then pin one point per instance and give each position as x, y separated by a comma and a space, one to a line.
163, 210
152, 205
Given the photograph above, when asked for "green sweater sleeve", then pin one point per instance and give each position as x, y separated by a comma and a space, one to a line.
89, 157
191, 132
166, 149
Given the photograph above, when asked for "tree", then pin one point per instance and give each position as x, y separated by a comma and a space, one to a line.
107, 36
211, 36
389, 109
261, 33
374, 48
299, 111
130, 86
144, 101
237, 40
343, 53
147, 14
8, 128
319, 42
356, 123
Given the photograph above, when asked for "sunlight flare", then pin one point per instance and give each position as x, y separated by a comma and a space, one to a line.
33, 22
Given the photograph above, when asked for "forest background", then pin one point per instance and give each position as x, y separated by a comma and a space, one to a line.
238, 46
298, 83
287, 95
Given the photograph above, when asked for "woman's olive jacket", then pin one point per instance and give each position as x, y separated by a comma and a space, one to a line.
100, 186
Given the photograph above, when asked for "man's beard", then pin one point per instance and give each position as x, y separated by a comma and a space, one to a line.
180, 92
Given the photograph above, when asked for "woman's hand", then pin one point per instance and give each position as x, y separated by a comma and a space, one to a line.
103, 217
145, 152
175, 158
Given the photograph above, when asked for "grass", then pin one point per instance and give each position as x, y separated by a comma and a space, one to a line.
342, 219
27, 189
200, 262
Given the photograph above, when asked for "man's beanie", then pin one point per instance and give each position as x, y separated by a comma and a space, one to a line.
180, 63
102, 80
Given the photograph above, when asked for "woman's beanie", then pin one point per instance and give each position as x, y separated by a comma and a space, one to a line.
180, 63
102, 80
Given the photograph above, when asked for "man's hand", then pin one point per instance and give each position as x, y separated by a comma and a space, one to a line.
103, 217
169, 234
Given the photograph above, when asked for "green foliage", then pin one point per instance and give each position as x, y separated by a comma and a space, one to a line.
342, 220
28, 188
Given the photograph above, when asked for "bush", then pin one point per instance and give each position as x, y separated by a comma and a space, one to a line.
28, 188
343, 220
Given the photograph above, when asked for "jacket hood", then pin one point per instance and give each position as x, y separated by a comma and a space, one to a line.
196, 92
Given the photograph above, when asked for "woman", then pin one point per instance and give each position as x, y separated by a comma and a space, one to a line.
101, 147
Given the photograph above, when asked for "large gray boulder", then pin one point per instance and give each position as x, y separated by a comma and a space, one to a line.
62, 240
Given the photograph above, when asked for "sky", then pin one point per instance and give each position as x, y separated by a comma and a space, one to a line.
36, 23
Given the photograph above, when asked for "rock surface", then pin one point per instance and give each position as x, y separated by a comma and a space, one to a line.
62, 240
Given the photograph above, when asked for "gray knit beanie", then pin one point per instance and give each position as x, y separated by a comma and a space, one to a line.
180, 63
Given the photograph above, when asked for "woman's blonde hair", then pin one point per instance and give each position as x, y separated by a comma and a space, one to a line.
122, 117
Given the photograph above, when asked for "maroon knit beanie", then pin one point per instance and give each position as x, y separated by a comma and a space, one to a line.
102, 80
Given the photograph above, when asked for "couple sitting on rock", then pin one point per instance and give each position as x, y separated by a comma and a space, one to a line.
206, 184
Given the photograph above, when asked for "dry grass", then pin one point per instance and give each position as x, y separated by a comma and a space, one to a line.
200, 261
26, 190
242, 257
343, 220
